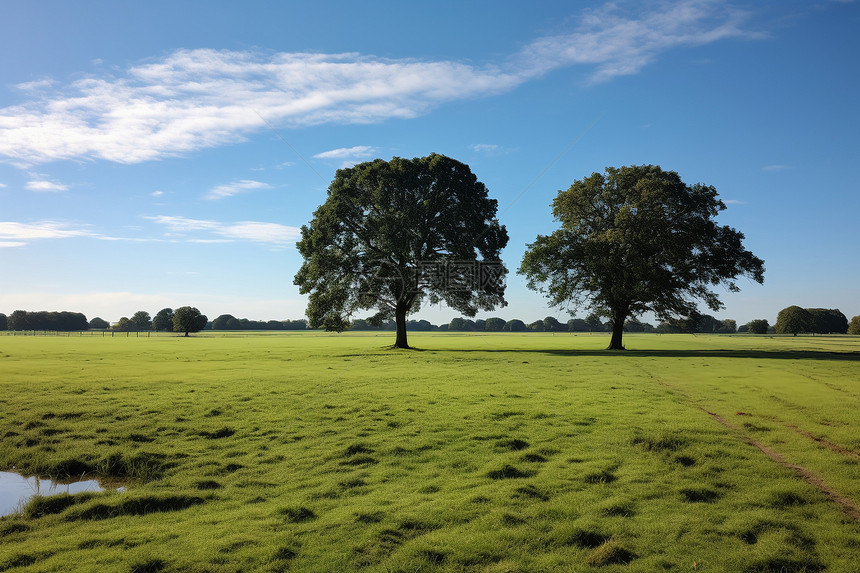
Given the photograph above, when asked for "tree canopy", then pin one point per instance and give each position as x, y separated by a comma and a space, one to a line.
828, 321
188, 319
393, 234
98, 323
45, 320
140, 321
793, 320
757, 326
514, 325
854, 326
637, 239
163, 320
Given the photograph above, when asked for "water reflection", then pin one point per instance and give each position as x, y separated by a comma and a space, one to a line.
16, 490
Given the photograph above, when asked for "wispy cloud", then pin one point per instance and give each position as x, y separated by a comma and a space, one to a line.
357, 152
617, 41
156, 194
256, 231
260, 232
775, 168
15, 234
49, 186
734, 202
484, 147
349, 156
194, 99
36, 85
234, 188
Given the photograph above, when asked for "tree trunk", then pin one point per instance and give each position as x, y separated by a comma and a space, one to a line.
617, 333
400, 321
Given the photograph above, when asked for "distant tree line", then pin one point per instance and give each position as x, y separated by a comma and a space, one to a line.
43, 320
796, 320
791, 320
184, 319
230, 322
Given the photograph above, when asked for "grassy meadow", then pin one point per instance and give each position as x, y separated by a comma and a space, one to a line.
492, 453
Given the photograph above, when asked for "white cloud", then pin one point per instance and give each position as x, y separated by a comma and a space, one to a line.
774, 168
485, 147
255, 231
156, 194
235, 187
35, 85
357, 152
349, 155
46, 186
2, 185
184, 224
11, 244
619, 42
14, 231
261, 232
194, 99
734, 202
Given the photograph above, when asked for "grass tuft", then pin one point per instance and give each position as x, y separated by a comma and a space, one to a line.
603, 476
699, 495
664, 442
149, 566
609, 553
41, 505
434, 557
18, 560
531, 492
12, 528
357, 449
786, 499
297, 514
136, 506
513, 445
285, 554
374, 517
585, 539
509, 472
782, 564
208, 485
224, 432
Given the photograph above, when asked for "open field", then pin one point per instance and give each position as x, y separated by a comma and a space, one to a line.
318, 452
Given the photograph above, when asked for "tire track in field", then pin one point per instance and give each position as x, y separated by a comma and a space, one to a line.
823, 442
848, 506
816, 481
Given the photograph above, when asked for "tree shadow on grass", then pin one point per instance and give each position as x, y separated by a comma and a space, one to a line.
673, 353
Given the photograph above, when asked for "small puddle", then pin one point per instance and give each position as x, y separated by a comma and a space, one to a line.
16, 490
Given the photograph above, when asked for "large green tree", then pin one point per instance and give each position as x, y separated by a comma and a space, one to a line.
393, 234
793, 320
757, 326
854, 326
188, 319
163, 320
637, 239
828, 321
98, 324
140, 321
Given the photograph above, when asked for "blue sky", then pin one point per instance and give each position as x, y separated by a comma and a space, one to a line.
159, 154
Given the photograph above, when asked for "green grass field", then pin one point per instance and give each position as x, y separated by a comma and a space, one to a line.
317, 452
